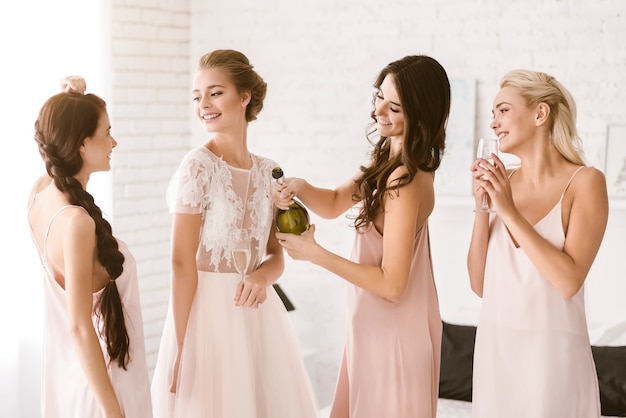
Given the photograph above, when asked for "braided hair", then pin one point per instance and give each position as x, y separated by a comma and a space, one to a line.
64, 122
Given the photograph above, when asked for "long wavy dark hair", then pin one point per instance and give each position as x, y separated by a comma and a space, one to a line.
64, 122
424, 92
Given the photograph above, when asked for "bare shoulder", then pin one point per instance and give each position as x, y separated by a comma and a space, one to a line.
421, 188
77, 222
395, 175
41, 183
589, 179
419, 179
588, 190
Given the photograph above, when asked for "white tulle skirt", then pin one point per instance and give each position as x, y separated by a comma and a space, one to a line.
236, 363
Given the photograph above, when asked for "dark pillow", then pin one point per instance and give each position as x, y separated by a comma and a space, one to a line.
457, 359
611, 368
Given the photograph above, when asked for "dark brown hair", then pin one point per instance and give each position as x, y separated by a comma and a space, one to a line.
64, 122
424, 92
242, 75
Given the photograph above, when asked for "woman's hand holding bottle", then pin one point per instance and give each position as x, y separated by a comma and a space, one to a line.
299, 247
291, 215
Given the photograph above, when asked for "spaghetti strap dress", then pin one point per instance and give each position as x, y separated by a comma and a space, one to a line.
236, 362
532, 355
65, 390
391, 361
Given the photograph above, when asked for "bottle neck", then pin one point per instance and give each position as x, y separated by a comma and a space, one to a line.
278, 183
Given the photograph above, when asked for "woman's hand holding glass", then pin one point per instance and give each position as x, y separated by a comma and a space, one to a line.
481, 171
249, 293
492, 181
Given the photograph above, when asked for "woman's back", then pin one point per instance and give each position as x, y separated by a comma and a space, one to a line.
66, 391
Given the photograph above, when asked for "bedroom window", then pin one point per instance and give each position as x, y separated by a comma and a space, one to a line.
41, 42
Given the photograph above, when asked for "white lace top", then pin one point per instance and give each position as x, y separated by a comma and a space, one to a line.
230, 200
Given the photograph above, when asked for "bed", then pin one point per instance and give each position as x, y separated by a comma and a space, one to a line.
446, 408
609, 351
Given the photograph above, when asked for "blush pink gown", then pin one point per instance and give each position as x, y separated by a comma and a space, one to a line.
532, 355
236, 362
390, 365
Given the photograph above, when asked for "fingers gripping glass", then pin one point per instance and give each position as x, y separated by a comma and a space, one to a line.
485, 148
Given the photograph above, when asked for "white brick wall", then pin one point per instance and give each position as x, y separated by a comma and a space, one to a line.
320, 59
150, 115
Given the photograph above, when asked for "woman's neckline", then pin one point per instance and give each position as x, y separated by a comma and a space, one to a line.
221, 158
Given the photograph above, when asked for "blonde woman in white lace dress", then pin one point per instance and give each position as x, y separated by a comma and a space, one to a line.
228, 348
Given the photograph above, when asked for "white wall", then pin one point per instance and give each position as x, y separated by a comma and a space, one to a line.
151, 110
320, 59
37, 50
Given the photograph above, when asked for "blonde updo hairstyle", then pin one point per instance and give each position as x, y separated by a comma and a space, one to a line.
538, 87
241, 74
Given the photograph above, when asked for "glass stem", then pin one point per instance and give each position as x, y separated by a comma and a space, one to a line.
485, 202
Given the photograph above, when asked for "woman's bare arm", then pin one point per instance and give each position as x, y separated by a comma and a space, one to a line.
79, 249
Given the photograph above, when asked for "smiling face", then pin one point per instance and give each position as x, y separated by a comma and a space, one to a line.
217, 103
513, 121
388, 110
96, 149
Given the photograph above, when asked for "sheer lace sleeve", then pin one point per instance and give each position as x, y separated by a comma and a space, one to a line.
188, 186
228, 199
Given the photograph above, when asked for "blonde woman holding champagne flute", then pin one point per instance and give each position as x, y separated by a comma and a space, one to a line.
529, 260
484, 151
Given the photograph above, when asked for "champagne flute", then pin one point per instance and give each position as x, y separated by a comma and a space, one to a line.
485, 148
241, 253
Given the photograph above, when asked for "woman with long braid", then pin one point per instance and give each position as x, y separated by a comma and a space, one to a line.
94, 362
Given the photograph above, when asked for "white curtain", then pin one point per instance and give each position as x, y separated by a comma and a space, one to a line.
41, 41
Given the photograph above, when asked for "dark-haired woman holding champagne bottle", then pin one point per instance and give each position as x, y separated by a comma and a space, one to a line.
294, 219
390, 365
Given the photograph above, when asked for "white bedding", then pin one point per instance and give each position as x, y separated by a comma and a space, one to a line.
446, 408
613, 335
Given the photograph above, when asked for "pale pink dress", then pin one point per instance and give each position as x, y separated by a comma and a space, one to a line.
237, 362
391, 360
65, 390
532, 355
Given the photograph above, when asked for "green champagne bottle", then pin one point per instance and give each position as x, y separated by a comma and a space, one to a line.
294, 220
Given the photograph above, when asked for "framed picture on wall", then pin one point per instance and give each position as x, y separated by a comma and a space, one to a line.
615, 166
